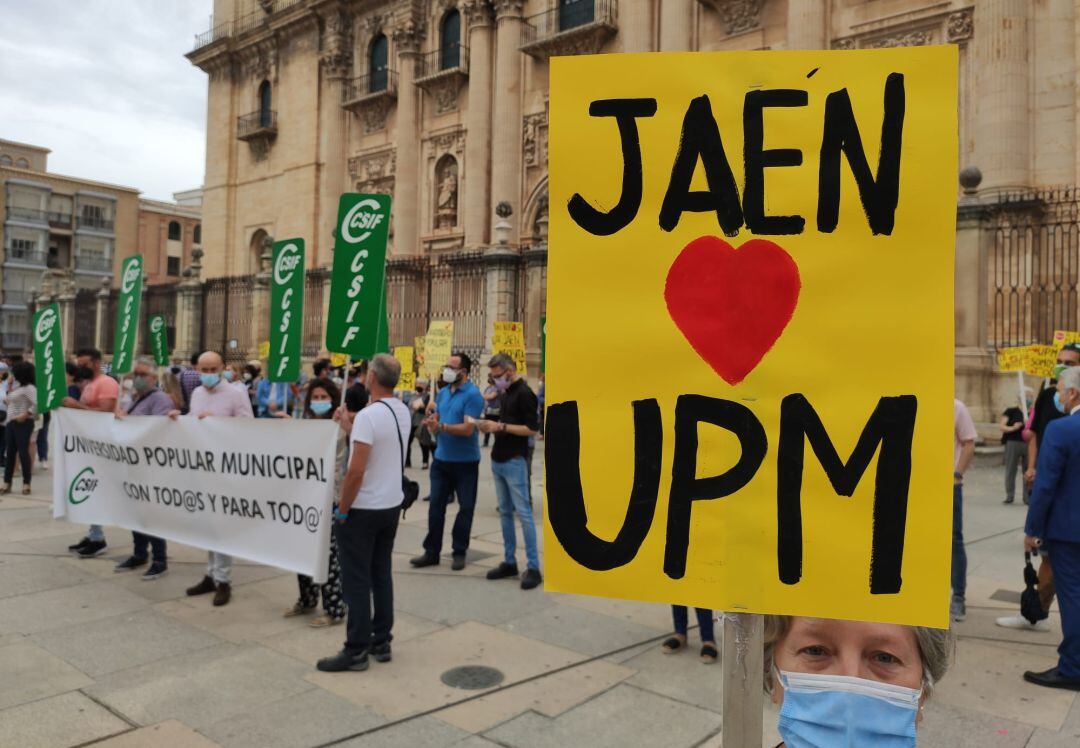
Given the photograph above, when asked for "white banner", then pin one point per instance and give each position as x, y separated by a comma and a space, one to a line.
259, 489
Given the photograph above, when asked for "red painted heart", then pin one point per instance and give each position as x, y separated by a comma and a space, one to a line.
732, 304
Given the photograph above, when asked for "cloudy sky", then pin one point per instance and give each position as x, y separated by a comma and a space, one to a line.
105, 86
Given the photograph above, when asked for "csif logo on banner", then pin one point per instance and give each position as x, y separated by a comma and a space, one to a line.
82, 487
127, 312
356, 322
365, 216
159, 339
286, 310
48, 358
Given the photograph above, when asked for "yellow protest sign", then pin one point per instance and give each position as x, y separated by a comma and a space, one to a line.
1064, 337
404, 355
1012, 359
264, 349
1039, 360
744, 231
338, 359
438, 344
509, 338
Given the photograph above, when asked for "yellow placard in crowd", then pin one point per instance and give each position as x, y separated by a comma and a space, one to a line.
404, 355
418, 347
1064, 337
755, 240
509, 338
264, 349
1039, 360
1012, 359
438, 344
338, 359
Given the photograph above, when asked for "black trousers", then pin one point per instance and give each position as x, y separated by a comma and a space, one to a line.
140, 542
365, 542
17, 435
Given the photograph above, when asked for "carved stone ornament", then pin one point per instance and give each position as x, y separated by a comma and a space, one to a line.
508, 7
902, 39
960, 26
374, 114
374, 172
452, 141
534, 138
476, 12
408, 35
373, 24
260, 148
267, 5
446, 201
739, 15
445, 92
844, 44
336, 55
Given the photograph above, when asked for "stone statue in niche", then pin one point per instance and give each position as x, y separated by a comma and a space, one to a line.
446, 202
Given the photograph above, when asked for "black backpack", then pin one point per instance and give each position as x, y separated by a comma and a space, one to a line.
409, 488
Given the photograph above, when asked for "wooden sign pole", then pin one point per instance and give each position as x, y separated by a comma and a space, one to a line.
743, 677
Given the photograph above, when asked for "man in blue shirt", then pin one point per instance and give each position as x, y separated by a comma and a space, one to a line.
274, 399
456, 466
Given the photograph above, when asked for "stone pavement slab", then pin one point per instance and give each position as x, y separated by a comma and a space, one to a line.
69, 719
306, 719
682, 676
202, 687
128, 640
455, 599
623, 716
423, 731
29, 673
23, 575
579, 629
167, 734
308, 645
643, 614
57, 608
249, 616
945, 726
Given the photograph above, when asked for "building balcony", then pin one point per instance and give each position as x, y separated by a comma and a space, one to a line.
577, 29
24, 256
60, 220
444, 64
261, 125
15, 341
96, 223
256, 19
33, 215
17, 297
92, 264
372, 90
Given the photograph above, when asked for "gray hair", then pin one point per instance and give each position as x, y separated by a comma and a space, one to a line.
1070, 378
148, 362
502, 360
387, 370
936, 647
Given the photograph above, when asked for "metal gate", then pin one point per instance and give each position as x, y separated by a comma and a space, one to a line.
1034, 266
408, 290
226, 317
86, 318
314, 288
458, 292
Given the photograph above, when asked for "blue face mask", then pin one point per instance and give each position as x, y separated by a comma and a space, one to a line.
228, 375
1057, 402
826, 711
321, 407
209, 381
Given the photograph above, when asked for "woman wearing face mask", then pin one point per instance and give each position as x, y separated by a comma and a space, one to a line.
21, 401
851, 683
320, 402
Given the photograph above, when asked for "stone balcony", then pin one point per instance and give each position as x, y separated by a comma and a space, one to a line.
576, 29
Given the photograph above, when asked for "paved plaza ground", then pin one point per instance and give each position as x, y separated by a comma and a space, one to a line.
90, 657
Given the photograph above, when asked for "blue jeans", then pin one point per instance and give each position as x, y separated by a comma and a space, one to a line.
512, 490
959, 555
448, 478
96, 533
1066, 559
704, 621
43, 438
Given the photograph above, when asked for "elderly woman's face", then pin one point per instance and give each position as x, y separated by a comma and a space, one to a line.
874, 651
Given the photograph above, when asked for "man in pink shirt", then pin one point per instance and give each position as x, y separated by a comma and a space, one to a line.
963, 450
217, 398
99, 393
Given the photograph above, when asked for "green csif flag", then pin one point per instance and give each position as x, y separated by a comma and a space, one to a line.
159, 339
48, 359
357, 308
127, 314
286, 310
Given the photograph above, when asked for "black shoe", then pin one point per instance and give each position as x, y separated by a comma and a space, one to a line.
503, 571
428, 497
343, 661
222, 594
381, 652
205, 587
1007, 501
130, 563
1052, 679
424, 559
458, 563
530, 579
424, 467
157, 569
79, 546
93, 549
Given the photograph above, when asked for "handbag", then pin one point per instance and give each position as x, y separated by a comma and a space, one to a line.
410, 489
1030, 606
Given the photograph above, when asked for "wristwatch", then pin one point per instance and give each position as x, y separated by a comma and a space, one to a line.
958, 475
338, 514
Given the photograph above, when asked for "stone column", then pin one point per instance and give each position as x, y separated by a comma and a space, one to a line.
406, 210
506, 149
336, 61
189, 310
806, 25
1003, 124
324, 352
974, 363
535, 292
66, 298
676, 25
477, 187
101, 316
636, 27
260, 301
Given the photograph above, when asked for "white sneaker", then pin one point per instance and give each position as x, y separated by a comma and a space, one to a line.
1019, 622
44, 464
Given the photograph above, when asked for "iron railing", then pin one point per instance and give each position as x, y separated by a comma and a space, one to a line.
26, 214
262, 122
86, 318
60, 220
93, 263
1034, 266
227, 316
245, 23
160, 298
566, 17
372, 84
17, 296
15, 341
25, 256
98, 223
453, 58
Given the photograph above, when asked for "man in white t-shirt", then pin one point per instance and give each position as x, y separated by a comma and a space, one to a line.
367, 517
